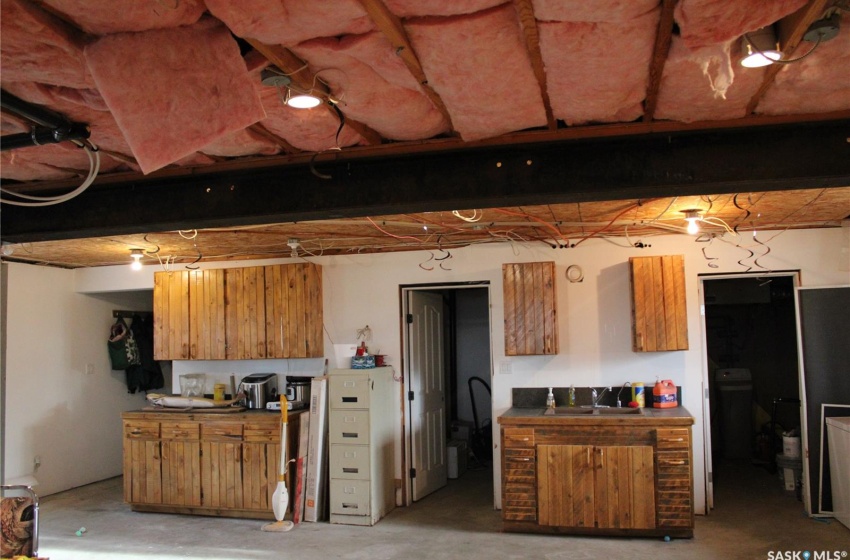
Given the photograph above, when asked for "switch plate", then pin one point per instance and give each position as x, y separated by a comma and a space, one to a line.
89, 369
505, 367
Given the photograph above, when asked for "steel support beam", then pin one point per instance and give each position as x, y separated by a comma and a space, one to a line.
750, 160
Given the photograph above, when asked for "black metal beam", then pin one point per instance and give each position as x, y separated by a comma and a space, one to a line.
752, 160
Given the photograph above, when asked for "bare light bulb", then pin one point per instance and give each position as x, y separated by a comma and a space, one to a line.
692, 217
136, 255
303, 101
693, 227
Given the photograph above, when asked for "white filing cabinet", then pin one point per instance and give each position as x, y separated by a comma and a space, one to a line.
363, 405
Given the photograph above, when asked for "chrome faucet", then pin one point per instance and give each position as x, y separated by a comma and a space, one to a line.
595, 398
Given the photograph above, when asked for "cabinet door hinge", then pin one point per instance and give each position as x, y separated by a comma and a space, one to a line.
412, 473
410, 318
410, 395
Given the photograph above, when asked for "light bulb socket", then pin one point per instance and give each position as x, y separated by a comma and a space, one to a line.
692, 216
760, 48
136, 255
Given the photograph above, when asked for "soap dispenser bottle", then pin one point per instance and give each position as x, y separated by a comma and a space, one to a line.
550, 399
572, 396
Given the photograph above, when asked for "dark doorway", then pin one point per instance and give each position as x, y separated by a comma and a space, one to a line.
753, 376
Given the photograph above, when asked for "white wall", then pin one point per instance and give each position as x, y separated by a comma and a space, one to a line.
56, 406
594, 315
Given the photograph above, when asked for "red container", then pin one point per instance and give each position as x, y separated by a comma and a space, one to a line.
664, 394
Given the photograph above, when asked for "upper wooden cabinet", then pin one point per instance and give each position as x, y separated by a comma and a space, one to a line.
293, 299
239, 313
531, 321
659, 312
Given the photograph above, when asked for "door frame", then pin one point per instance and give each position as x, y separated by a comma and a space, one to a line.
706, 404
403, 289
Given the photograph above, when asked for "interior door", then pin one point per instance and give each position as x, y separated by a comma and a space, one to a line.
427, 382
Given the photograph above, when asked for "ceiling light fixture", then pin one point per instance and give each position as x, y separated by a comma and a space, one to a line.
136, 255
294, 98
293, 244
692, 217
761, 47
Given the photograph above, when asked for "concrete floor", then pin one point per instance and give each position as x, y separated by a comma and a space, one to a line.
753, 516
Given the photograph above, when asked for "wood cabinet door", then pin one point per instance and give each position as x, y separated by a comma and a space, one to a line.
659, 311
245, 313
206, 315
293, 295
565, 495
181, 463
260, 463
171, 315
142, 463
624, 487
221, 474
531, 322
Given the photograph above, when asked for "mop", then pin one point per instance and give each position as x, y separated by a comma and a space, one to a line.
280, 498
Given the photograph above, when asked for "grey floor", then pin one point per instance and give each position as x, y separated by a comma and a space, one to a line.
753, 516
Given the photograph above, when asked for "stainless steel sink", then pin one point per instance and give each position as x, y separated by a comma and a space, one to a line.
620, 411
570, 411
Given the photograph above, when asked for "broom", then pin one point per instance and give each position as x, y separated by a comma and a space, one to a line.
280, 498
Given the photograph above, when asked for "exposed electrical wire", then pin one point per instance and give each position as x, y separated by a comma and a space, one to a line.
617, 217
189, 233
558, 234
392, 234
476, 215
422, 264
36, 201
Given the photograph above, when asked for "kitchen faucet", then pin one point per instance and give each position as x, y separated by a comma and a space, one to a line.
596, 398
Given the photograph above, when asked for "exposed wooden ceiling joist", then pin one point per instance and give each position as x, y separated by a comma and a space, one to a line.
659, 57
525, 9
391, 27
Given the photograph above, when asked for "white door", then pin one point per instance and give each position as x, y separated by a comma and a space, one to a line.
428, 407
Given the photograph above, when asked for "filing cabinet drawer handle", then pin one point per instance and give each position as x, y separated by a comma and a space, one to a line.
350, 470
349, 399
350, 506
349, 434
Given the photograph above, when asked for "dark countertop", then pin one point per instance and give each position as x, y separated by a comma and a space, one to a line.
668, 416
205, 414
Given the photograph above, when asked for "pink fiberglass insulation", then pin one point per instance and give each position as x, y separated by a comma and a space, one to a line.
708, 22
411, 8
83, 106
686, 92
36, 46
51, 161
115, 16
241, 143
479, 65
373, 85
587, 83
817, 84
187, 87
289, 22
598, 11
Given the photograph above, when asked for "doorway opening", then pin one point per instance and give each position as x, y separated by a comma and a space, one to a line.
752, 379
446, 344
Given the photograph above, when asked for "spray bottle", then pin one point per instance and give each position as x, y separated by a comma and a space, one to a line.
550, 399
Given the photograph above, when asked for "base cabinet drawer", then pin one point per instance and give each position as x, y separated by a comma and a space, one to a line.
350, 497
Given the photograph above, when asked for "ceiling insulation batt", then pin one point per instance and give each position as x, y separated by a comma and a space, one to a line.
116, 16
188, 86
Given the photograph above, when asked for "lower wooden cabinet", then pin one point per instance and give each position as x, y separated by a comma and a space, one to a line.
204, 464
593, 486
608, 476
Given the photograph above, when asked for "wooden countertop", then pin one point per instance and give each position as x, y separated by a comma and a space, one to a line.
678, 416
199, 414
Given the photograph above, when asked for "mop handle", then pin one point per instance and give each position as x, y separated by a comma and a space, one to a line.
284, 420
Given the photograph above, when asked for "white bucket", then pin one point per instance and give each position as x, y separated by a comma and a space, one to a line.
791, 446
